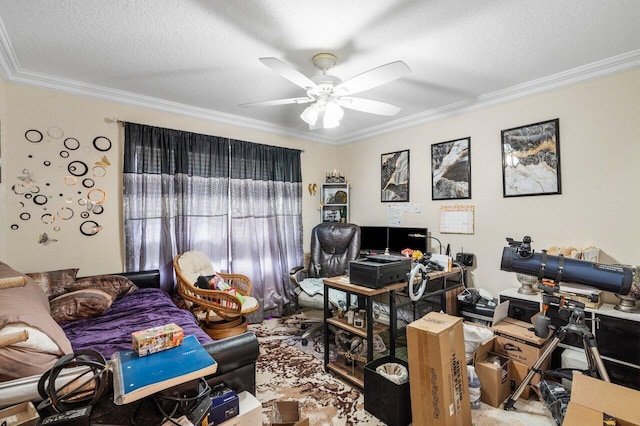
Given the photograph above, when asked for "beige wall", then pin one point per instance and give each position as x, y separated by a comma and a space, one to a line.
84, 119
600, 158
599, 146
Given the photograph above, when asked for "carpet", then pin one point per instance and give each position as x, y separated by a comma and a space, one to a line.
288, 370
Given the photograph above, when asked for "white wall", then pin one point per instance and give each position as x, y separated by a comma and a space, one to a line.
23, 108
600, 171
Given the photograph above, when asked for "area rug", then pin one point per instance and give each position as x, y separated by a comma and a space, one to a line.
288, 370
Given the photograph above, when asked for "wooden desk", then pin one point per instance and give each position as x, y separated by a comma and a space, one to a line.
356, 373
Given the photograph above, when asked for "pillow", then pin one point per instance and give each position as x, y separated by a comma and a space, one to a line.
87, 303
116, 285
28, 305
54, 282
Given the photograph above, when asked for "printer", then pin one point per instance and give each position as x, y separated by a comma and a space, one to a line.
380, 270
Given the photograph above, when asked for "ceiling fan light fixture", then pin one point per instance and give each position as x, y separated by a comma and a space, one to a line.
332, 115
310, 115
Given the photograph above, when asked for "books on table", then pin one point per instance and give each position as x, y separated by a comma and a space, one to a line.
135, 377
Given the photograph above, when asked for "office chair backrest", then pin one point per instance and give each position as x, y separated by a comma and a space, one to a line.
333, 246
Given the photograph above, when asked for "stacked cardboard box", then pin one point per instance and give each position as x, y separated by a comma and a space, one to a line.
517, 340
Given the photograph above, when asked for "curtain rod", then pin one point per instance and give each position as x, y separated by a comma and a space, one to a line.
113, 120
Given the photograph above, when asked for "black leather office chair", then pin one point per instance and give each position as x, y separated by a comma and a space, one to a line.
333, 246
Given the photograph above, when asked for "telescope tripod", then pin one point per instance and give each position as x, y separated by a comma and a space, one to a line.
576, 325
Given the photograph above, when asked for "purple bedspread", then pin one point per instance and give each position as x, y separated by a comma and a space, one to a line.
145, 308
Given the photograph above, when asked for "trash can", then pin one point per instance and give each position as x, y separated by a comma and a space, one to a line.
385, 399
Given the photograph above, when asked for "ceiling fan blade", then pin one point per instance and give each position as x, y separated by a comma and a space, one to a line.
291, 74
373, 78
279, 102
367, 105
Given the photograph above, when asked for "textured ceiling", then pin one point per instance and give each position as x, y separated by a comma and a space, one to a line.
200, 57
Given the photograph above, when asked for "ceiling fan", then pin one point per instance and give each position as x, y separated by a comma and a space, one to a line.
327, 94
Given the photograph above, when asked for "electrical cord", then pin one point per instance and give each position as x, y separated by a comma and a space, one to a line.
184, 404
87, 393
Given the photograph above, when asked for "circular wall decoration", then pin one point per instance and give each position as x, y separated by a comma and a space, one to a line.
47, 218
35, 189
33, 136
28, 196
70, 180
14, 226
55, 132
102, 143
65, 213
89, 228
47, 163
78, 168
71, 144
40, 199
64, 154
25, 216
19, 189
91, 197
84, 214
88, 183
97, 209
99, 171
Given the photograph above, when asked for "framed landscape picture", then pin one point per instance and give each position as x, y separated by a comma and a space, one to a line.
531, 159
451, 170
394, 176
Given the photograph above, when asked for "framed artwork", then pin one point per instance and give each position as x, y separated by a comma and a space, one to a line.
451, 170
394, 176
531, 159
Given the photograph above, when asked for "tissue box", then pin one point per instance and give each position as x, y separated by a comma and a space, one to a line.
157, 339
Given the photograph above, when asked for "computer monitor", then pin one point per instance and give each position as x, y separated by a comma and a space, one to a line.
402, 238
373, 238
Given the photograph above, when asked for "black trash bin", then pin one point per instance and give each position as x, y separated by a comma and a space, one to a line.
386, 400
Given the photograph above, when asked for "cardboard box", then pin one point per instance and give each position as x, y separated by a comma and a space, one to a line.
287, 413
518, 341
515, 340
156, 339
23, 414
225, 404
495, 384
250, 411
591, 398
438, 371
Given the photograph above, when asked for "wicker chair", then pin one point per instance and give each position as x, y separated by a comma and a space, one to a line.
221, 313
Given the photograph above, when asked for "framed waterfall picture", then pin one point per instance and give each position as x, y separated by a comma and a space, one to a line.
451, 170
531, 159
394, 176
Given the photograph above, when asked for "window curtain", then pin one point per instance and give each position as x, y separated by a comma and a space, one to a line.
238, 202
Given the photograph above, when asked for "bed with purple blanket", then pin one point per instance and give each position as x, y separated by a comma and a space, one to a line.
59, 314
140, 310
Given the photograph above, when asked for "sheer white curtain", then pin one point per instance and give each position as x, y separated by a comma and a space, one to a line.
184, 191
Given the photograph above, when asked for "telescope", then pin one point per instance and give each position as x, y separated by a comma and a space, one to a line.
520, 257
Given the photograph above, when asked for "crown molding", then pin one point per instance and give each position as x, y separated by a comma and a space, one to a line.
613, 65
12, 72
